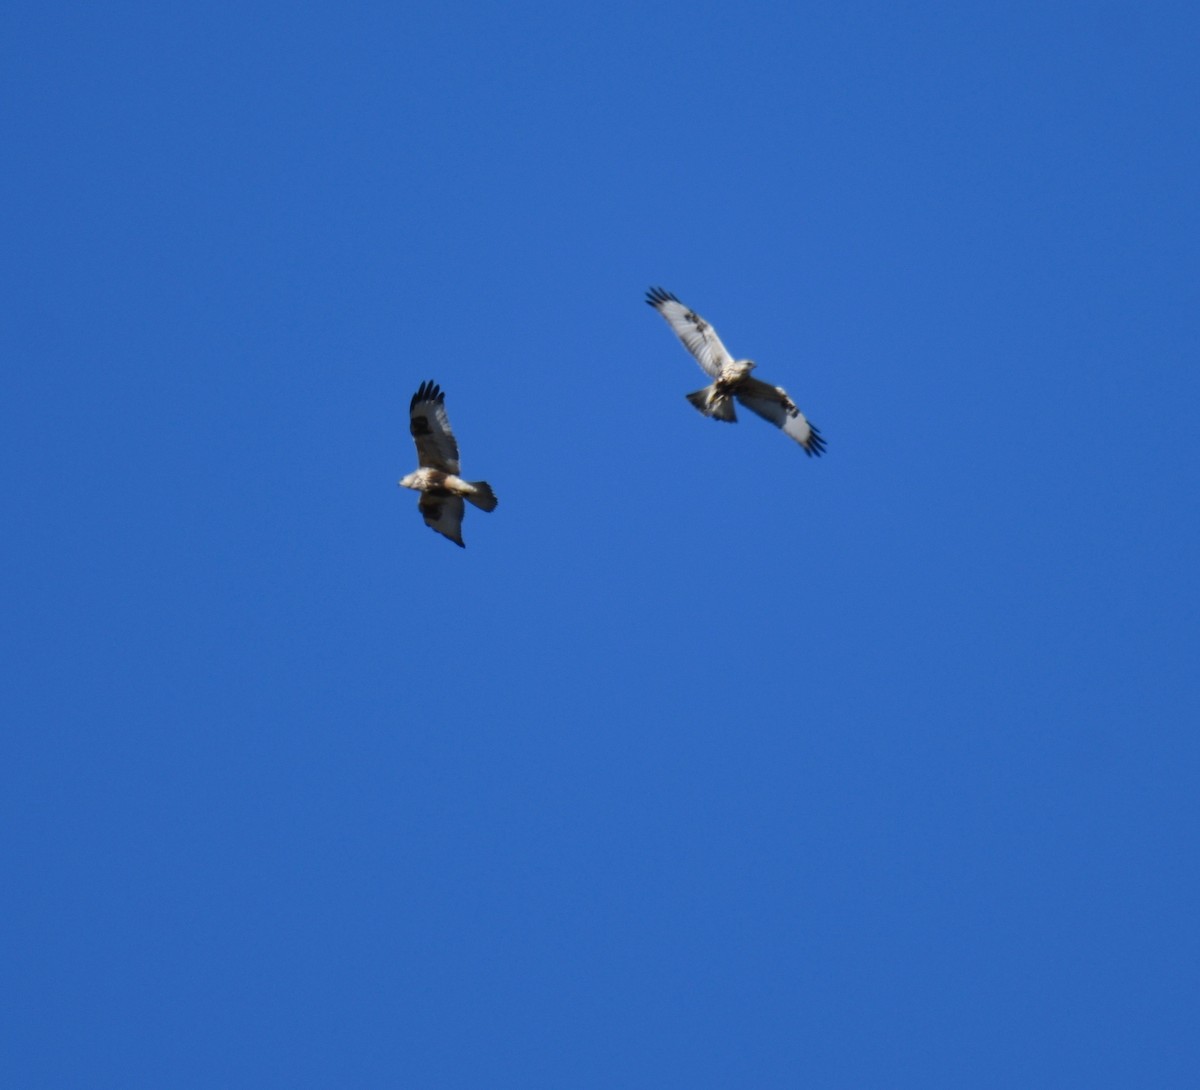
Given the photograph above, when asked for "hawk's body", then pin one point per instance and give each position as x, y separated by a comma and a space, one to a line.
731, 378
442, 489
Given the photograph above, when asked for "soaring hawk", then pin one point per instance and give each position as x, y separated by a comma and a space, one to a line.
732, 377
442, 489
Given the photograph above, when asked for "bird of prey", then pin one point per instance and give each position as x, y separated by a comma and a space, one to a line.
731, 378
442, 489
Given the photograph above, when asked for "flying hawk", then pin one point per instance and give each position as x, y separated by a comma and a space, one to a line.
732, 377
442, 489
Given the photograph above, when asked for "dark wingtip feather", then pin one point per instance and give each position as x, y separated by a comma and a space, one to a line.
457, 540
657, 296
816, 444
427, 391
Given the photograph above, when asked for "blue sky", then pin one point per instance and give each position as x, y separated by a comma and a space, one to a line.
705, 764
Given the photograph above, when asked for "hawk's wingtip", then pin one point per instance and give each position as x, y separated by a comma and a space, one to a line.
655, 297
427, 391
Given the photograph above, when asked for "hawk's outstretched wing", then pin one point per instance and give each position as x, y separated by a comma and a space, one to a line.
772, 403
430, 427
698, 337
443, 514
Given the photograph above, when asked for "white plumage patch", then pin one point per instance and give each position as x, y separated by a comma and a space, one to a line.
733, 376
698, 337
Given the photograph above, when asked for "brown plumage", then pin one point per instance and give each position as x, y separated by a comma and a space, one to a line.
442, 489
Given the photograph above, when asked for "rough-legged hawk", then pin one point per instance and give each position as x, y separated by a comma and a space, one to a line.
732, 377
442, 489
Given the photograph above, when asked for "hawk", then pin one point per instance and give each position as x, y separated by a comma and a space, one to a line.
732, 377
442, 489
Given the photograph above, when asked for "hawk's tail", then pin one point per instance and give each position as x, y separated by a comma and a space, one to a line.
718, 406
482, 496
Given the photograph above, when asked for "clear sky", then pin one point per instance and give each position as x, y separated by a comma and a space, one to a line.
705, 764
